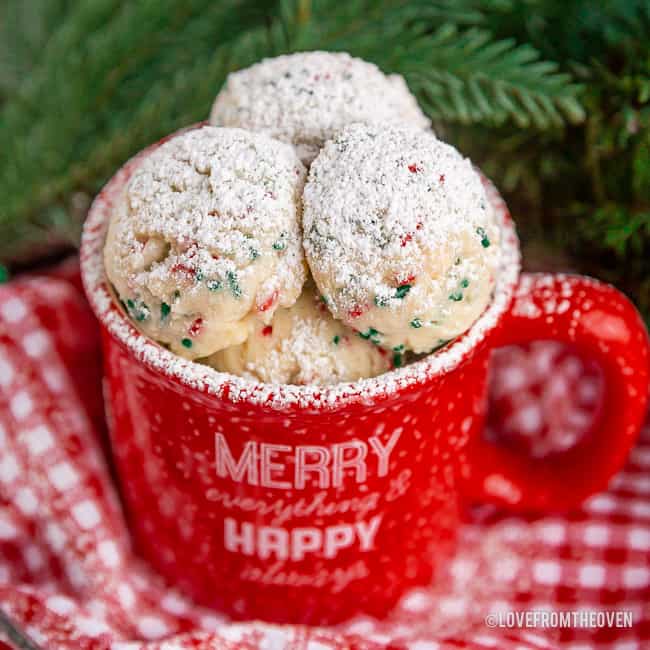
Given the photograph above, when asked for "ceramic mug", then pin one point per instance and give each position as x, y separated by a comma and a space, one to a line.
312, 504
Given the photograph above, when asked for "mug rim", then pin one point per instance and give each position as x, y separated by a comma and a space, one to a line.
283, 397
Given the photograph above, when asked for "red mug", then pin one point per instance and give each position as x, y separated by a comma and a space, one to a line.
311, 504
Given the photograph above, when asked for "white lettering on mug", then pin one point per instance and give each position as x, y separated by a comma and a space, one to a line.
268, 452
239, 541
303, 466
272, 541
275, 542
367, 532
356, 461
336, 538
305, 540
384, 452
269, 465
247, 463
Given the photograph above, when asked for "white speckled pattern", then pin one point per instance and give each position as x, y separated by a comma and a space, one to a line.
306, 97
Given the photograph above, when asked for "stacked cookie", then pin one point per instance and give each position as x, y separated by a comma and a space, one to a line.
228, 251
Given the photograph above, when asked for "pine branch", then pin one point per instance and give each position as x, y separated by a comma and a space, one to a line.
461, 75
25, 29
625, 232
113, 81
105, 85
468, 77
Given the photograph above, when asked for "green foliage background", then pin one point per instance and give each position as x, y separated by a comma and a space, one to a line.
550, 97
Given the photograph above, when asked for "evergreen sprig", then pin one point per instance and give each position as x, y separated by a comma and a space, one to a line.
86, 83
115, 76
474, 78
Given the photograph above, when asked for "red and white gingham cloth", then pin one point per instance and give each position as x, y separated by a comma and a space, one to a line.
68, 578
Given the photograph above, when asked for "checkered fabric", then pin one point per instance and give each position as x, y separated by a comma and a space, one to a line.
68, 578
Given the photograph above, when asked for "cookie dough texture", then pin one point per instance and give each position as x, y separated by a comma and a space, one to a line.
303, 345
306, 98
205, 242
400, 236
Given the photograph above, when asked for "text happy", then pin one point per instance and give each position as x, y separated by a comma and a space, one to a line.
274, 542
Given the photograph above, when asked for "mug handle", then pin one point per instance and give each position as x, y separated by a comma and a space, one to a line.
601, 323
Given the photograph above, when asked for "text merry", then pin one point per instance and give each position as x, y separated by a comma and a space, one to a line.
285, 466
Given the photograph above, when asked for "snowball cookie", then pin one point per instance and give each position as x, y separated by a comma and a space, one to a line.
303, 345
206, 239
305, 98
399, 235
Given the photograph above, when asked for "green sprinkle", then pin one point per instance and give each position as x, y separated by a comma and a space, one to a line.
336, 339
164, 310
399, 348
457, 296
397, 360
253, 253
371, 333
381, 301
177, 294
402, 290
186, 343
280, 244
485, 242
138, 310
416, 323
4, 274
214, 285
233, 284
199, 275
324, 300
464, 283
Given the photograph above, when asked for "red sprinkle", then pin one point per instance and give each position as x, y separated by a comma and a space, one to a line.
442, 178
182, 268
269, 302
406, 239
399, 281
419, 225
414, 168
267, 331
196, 326
355, 312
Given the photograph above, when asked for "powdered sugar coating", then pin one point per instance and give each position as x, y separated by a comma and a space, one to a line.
205, 238
240, 391
303, 345
400, 236
307, 97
